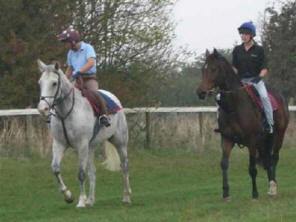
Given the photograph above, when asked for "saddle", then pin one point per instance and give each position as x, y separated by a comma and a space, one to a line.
100, 102
252, 92
95, 98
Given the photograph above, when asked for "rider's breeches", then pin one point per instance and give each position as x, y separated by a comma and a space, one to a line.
261, 89
92, 84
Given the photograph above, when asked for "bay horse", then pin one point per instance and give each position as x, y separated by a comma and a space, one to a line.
240, 121
73, 124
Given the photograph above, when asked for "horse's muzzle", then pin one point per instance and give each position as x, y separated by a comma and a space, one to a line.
201, 94
43, 108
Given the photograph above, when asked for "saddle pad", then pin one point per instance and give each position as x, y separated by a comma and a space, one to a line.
112, 106
255, 97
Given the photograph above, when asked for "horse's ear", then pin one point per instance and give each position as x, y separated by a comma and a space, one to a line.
57, 66
216, 53
41, 65
207, 53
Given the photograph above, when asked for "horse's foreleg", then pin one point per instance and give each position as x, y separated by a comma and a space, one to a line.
278, 140
227, 146
253, 172
83, 161
272, 189
57, 155
270, 161
92, 178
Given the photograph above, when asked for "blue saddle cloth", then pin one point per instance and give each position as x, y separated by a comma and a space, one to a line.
112, 107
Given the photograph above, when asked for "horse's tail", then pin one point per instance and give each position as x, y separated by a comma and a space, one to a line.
112, 161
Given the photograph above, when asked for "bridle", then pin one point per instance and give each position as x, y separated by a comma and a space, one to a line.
217, 87
58, 99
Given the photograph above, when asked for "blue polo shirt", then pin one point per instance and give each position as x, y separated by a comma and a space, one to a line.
77, 59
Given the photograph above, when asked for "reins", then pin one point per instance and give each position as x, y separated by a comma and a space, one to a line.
58, 100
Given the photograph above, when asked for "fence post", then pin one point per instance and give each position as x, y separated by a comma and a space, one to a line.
201, 129
29, 132
148, 130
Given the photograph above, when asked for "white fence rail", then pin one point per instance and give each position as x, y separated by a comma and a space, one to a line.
205, 109
194, 126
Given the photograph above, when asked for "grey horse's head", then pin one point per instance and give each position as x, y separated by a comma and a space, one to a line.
50, 83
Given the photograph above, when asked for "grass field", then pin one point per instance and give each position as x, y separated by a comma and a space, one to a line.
168, 185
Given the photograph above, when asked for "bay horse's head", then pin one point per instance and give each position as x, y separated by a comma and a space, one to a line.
50, 86
213, 72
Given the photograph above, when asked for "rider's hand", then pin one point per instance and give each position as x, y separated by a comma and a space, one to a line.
75, 74
256, 79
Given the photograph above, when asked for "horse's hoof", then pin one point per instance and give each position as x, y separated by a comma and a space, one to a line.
82, 201
126, 200
80, 205
271, 194
68, 196
272, 189
227, 199
89, 202
255, 196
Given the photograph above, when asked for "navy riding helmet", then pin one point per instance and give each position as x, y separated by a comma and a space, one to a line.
247, 28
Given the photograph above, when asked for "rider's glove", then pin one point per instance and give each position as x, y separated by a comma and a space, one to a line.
75, 74
256, 79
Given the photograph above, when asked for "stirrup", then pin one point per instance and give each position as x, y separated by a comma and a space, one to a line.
269, 129
104, 120
217, 130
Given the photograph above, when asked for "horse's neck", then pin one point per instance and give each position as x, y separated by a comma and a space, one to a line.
231, 82
72, 98
235, 97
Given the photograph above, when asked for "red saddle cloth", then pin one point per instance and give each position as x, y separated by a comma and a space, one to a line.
255, 97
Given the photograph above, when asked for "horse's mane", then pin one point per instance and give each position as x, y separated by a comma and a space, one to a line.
225, 67
55, 68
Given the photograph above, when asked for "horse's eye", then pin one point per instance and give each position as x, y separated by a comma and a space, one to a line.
213, 69
54, 84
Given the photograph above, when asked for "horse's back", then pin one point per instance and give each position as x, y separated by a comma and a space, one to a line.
281, 115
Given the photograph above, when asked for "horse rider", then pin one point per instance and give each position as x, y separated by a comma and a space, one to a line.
248, 61
81, 66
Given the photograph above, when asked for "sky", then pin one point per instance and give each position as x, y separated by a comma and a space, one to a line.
205, 24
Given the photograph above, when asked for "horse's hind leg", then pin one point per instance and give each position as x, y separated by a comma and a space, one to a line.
57, 155
92, 178
253, 172
83, 155
120, 142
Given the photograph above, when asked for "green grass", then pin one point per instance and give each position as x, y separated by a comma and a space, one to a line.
168, 185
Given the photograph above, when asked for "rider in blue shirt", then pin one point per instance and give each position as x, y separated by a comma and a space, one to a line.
81, 61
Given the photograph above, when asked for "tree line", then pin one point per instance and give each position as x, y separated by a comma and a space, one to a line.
133, 40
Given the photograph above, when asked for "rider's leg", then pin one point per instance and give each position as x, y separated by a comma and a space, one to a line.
261, 89
92, 84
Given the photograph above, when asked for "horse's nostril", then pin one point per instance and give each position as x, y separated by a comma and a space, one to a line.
202, 95
46, 109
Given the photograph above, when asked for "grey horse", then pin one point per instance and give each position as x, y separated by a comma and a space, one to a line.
72, 125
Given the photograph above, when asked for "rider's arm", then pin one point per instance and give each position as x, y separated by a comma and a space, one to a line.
234, 69
69, 72
263, 72
262, 59
234, 60
89, 64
